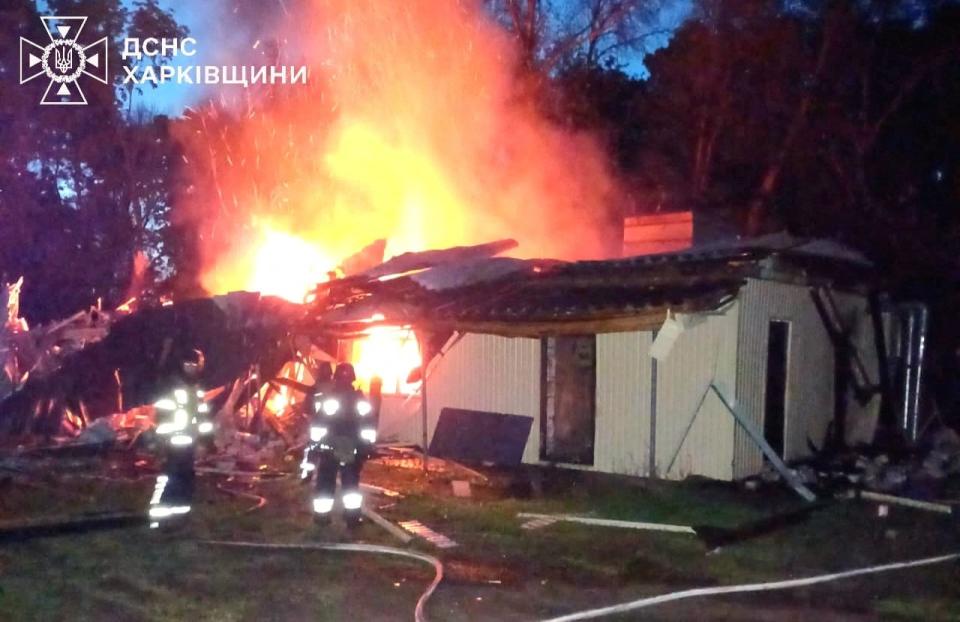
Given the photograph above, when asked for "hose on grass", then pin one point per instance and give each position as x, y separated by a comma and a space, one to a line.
748, 587
259, 500
418, 614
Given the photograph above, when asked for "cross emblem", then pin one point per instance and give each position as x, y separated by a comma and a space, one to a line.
63, 60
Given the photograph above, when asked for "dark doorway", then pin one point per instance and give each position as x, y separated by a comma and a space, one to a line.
775, 406
568, 377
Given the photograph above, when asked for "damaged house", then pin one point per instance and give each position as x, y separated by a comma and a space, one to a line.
668, 365
608, 365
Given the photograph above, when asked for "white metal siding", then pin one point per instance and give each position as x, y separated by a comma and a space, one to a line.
705, 352
400, 419
810, 369
623, 403
499, 374
491, 374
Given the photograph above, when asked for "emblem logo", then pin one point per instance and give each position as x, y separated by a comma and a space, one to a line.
63, 60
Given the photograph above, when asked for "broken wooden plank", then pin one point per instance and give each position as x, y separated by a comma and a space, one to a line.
437, 539
605, 522
537, 523
906, 502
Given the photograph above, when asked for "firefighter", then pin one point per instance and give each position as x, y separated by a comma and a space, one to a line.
322, 384
344, 431
183, 422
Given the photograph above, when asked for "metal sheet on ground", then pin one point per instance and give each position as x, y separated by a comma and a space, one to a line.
480, 437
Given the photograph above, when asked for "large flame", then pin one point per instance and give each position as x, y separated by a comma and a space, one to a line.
417, 126
280, 264
389, 353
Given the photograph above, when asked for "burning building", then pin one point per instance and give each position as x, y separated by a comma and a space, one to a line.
419, 130
611, 365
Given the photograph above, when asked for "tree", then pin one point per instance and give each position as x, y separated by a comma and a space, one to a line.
717, 98
82, 192
148, 20
551, 33
784, 117
604, 101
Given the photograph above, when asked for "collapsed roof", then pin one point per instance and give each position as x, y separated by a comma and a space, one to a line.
129, 357
470, 289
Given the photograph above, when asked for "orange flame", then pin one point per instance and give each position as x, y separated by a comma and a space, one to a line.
417, 126
281, 264
390, 353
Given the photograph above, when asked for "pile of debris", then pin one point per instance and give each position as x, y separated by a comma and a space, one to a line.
927, 472
26, 352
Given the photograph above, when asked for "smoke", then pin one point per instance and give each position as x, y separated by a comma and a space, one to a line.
416, 126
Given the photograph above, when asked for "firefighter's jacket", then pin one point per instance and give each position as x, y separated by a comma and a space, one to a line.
183, 417
343, 423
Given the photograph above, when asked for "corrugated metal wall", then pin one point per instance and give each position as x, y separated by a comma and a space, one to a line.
810, 375
705, 352
623, 403
499, 374
492, 374
400, 419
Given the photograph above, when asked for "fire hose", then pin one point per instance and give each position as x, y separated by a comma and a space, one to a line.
418, 613
97, 523
76, 525
747, 587
259, 500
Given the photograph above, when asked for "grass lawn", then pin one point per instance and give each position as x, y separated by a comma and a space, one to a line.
499, 571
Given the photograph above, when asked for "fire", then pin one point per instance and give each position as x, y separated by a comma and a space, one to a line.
287, 266
417, 125
279, 264
282, 398
390, 353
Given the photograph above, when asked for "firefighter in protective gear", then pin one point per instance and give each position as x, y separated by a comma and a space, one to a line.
183, 421
322, 384
343, 430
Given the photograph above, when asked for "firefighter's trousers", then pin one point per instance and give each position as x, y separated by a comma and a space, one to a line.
173, 493
327, 468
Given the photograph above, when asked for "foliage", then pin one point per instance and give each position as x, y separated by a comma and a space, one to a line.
83, 190
552, 33
833, 123
833, 119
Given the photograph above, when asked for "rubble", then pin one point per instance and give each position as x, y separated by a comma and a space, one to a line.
27, 353
921, 473
99, 432
98, 362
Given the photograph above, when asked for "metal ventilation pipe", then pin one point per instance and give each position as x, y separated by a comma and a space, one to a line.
915, 320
